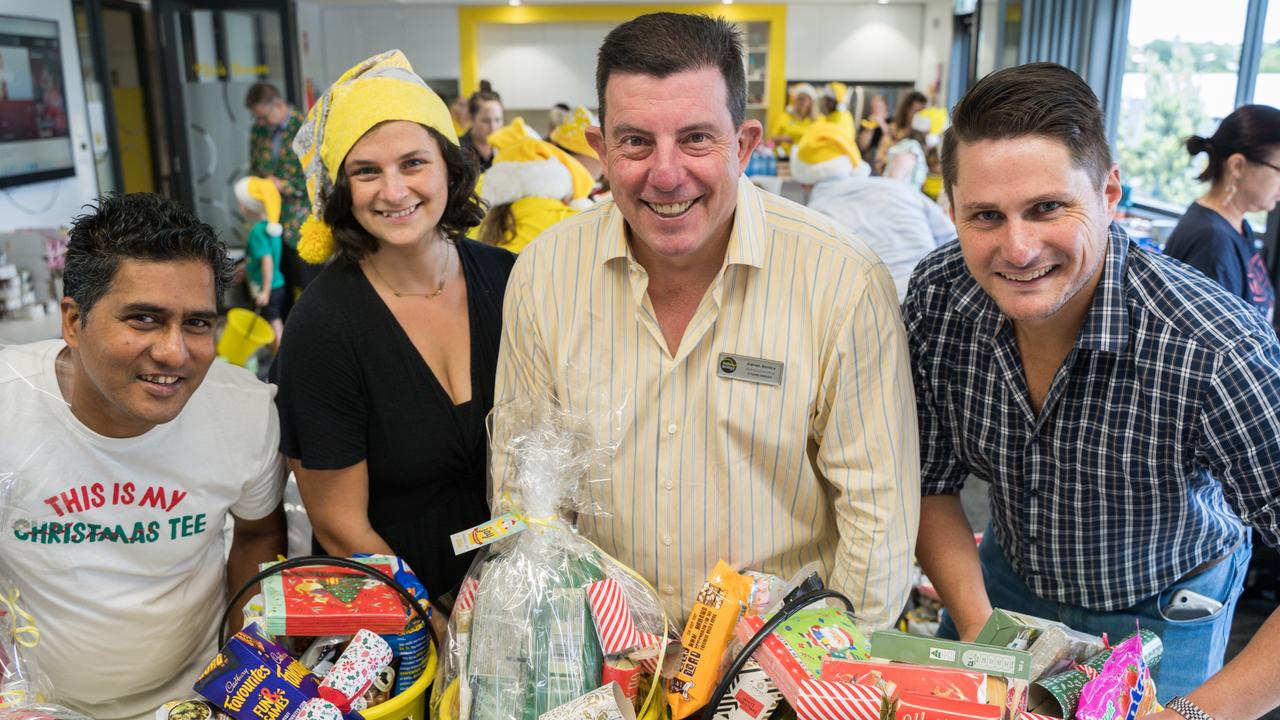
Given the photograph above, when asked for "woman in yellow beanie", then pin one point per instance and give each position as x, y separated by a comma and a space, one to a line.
387, 366
531, 186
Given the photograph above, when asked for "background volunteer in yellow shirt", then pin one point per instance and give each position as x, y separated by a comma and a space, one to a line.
531, 186
835, 108
800, 114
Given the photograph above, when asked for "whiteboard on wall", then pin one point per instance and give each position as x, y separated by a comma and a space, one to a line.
536, 66
855, 42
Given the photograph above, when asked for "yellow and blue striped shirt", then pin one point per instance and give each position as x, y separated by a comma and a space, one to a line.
822, 468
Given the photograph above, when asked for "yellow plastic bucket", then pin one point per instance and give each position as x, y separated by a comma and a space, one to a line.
246, 331
410, 704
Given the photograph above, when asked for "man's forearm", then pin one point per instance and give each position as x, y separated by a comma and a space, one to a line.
949, 557
251, 549
1246, 688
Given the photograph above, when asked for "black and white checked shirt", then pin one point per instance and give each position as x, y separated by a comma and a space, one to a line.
1159, 435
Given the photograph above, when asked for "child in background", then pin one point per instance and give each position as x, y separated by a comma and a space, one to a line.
260, 202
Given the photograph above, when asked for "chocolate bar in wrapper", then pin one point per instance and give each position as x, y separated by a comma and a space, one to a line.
253, 678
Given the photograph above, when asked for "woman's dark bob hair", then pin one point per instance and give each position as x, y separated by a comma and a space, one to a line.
462, 211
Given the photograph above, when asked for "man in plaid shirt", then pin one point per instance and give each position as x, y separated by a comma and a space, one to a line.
1123, 407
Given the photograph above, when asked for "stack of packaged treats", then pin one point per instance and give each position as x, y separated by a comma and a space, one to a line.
943, 679
255, 678
546, 625
320, 642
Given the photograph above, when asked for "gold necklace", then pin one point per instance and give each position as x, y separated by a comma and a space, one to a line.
439, 288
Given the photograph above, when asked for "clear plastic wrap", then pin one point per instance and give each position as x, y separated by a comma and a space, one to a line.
544, 616
21, 683
24, 690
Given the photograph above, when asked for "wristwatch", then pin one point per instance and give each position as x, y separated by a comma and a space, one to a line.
1187, 709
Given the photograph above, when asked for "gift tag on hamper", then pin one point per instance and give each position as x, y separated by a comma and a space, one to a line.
486, 533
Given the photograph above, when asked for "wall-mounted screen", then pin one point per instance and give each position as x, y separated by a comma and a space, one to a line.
35, 134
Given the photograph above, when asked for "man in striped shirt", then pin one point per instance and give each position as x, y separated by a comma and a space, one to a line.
1123, 408
756, 350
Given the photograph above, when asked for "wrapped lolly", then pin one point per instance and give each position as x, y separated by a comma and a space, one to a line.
1124, 687
355, 671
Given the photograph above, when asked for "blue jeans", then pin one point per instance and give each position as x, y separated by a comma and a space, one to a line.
1193, 649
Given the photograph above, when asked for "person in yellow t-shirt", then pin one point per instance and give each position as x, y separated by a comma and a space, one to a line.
531, 186
799, 115
835, 108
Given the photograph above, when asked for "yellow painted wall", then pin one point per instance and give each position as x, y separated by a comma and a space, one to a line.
469, 18
132, 141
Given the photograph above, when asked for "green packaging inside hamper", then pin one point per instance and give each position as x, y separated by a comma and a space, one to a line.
528, 657
1053, 645
1057, 696
567, 661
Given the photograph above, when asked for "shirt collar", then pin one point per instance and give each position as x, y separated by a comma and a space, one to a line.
1106, 326
746, 237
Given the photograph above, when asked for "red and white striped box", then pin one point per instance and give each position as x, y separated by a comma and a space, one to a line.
614, 624
823, 700
466, 594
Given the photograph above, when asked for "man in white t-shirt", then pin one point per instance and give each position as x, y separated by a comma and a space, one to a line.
125, 446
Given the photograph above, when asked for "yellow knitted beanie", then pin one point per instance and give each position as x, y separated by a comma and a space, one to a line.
381, 88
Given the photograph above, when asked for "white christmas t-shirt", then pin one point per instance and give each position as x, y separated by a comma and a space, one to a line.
116, 544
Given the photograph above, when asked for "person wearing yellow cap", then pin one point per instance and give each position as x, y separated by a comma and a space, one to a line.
571, 136
386, 372
531, 186
797, 118
260, 202
835, 107
898, 223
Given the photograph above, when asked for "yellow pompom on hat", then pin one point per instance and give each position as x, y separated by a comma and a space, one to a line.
572, 133
534, 168
515, 131
261, 196
375, 90
824, 152
840, 92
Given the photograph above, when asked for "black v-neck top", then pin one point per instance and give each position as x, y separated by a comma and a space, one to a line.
353, 387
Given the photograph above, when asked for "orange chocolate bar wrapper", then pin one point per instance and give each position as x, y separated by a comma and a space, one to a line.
705, 639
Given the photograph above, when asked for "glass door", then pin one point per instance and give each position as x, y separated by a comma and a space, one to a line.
214, 51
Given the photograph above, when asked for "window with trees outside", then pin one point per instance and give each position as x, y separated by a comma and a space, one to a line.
1267, 91
1181, 75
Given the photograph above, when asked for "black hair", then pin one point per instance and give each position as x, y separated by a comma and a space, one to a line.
666, 43
1252, 131
462, 211
1042, 99
136, 226
484, 94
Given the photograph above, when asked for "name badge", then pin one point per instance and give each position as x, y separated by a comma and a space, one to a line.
756, 370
